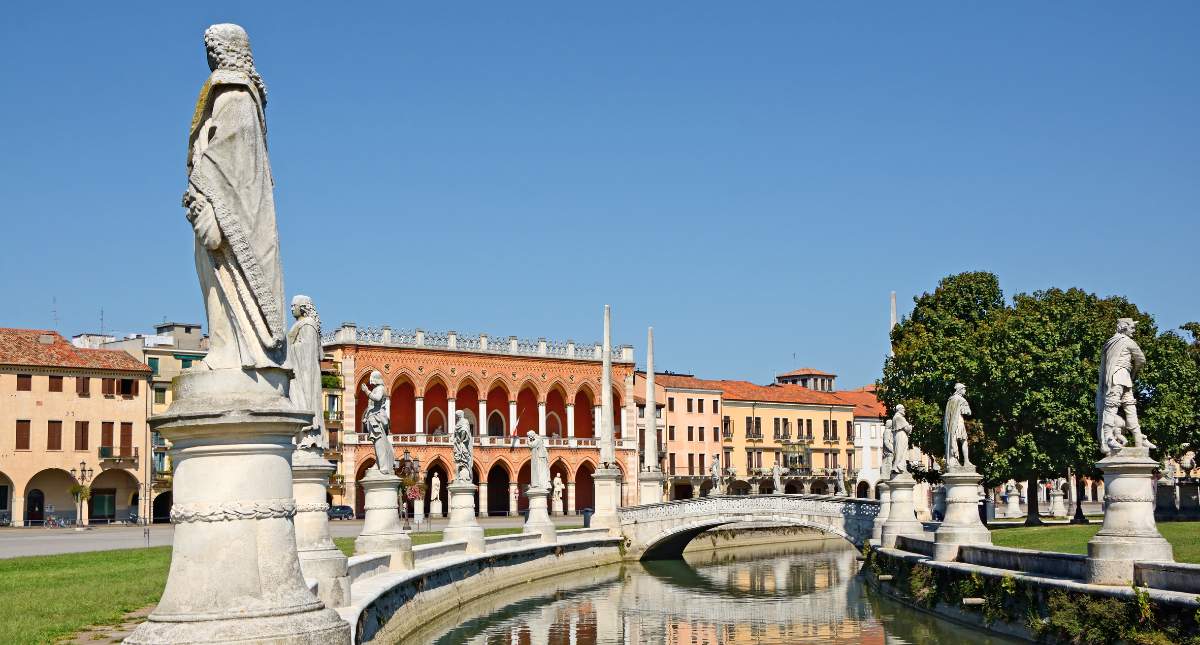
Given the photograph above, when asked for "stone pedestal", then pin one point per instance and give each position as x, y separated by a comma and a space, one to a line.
939, 502
462, 524
320, 559
538, 520
1189, 500
885, 506
608, 490
382, 531
235, 575
1057, 507
902, 517
435, 509
418, 510
961, 525
650, 487
1129, 533
1012, 504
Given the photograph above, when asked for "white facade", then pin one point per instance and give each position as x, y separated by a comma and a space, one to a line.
868, 445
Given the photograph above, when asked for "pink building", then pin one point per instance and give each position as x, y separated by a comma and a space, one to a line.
689, 430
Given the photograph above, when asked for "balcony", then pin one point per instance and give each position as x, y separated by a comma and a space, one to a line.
124, 456
337, 484
332, 454
754, 436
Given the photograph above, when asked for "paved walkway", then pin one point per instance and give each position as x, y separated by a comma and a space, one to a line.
17, 542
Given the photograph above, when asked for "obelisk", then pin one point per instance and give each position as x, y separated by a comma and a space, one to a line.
650, 478
607, 478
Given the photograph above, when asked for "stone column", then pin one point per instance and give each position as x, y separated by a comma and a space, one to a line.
482, 422
607, 479
450, 410
235, 575
570, 420
570, 498
1012, 503
542, 418
885, 505
381, 531
1129, 533
483, 499
538, 520
512, 499
320, 558
462, 524
961, 524
902, 516
419, 509
1057, 507
512, 418
650, 479
596, 421
419, 419
808, 487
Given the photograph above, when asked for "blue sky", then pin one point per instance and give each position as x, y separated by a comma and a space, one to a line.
751, 179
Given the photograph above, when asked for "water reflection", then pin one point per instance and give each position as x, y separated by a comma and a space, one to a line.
806, 593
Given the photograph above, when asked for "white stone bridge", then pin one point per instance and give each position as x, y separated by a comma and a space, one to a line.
661, 531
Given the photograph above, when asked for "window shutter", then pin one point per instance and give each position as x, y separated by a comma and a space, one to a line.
81, 435
106, 434
54, 435
134, 388
22, 434
126, 435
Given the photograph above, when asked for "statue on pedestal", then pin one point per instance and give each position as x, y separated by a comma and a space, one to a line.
714, 470
887, 452
900, 429
464, 448
956, 429
1120, 360
304, 342
377, 423
539, 461
558, 492
230, 204
777, 475
839, 481
435, 488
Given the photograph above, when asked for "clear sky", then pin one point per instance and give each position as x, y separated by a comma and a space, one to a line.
753, 179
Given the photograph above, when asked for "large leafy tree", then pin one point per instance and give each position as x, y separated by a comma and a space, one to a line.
1031, 372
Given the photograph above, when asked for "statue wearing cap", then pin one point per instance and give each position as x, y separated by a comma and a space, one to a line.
1116, 405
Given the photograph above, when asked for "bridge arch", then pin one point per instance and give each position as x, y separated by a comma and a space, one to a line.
670, 544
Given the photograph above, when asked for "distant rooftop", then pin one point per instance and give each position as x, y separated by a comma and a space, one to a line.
46, 348
351, 334
808, 371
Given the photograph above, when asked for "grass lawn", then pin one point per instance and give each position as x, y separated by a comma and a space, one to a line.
43, 598
1073, 538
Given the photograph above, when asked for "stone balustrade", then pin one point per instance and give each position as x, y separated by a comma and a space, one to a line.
350, 334
404, 440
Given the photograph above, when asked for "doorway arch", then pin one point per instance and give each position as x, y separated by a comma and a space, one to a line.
498, 481
35, 507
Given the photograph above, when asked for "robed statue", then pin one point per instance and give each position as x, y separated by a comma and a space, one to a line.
558, 488
377, 423
231, 205
1120, 361
464, 448
304, 347
955, 428
539, 461
777, 478
888, 450
900, 431
714, 470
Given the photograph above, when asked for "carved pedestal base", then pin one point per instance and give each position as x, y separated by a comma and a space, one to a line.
902, 517
1129, 533
650, 487
462, 524
538, 520
1012, 504
234, 571
320, 559
435, 509
961, 525
885, 506
608, 490
1057, 507
382, 531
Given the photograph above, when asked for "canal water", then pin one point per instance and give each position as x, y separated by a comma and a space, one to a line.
809, 592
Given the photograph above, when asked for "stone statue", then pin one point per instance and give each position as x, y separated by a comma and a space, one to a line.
558, 491
887, 452
714, 470
435, 488
839, 480
900, 429
732, 472
464, 447
539, 461
1187, 463
377, 423
230, 204
956, 429
1120, 360
304, 343
777, 475
1167, 470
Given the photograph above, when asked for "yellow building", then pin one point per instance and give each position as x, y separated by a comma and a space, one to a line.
71, 417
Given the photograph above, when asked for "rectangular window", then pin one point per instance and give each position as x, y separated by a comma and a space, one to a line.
106, 434
108, 386
758, 459
128, 387
670, 404
825, 457
185, 363
126, 435
749, 427
56, 383
689, 404
641, 412
689, 434
670, 433
776, 430
691, 464
153, 363
83, 386
825, 429
671, 461
728, 457
54, 435
24, 382
700, 409
850, 461
758, 427
749, 461
809, 432
160, 395
701, 429
81, 435
22, 434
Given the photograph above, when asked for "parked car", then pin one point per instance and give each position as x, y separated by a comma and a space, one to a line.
341, 513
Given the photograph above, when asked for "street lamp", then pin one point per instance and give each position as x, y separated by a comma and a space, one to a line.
82, 477
408, 470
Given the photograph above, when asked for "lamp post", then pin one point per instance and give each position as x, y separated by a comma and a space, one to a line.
82, 477
409, 468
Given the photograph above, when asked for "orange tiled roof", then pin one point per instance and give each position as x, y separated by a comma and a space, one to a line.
808, 371
24, 347
866, 404
685, 382
747, 391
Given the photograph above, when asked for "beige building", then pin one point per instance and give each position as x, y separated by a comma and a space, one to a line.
71, 416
